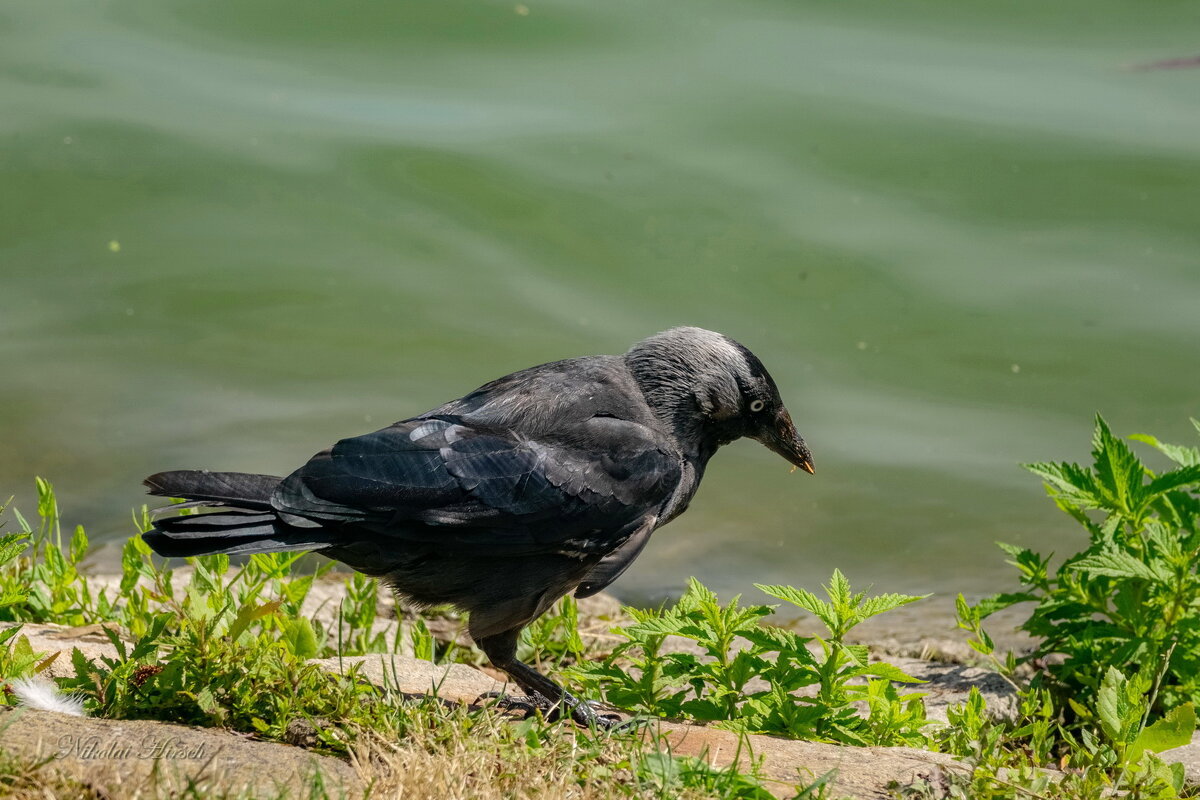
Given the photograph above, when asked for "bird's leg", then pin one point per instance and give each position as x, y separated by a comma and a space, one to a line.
501, 650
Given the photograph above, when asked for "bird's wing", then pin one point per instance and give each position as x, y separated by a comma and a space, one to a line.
613, 565
444, 482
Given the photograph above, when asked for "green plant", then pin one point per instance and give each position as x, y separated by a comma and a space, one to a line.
553, 639
224, 665
40, 579
1131, 599
668, 775
747, 675
1109, 752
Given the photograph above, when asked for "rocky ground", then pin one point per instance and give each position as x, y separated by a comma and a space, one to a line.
111, 754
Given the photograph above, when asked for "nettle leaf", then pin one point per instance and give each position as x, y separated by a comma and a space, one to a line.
745, 665
839, 590
1181, 455
776, 639
12, 597
12, 545
857, 653
1119, 564
998, 602
889, 671
1118, 471
700, 592
886, 602
802, 598
704, 709
666, 625
1175, 729
1070, 479
82, 664
1185, 476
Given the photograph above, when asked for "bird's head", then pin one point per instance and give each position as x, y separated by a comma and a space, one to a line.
711, 390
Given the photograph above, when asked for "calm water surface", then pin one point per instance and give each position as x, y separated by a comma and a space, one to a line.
231, 233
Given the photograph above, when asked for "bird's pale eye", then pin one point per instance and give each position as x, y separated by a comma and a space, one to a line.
756, 405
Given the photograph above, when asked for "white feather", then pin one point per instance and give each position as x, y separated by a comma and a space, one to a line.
43, 695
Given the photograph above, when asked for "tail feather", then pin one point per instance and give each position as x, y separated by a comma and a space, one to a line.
167, 545
233, 544
240, 489
225, 523
257, 529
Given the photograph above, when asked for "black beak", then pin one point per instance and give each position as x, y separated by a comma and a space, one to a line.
781, 437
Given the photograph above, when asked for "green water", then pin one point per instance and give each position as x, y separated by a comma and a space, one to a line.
233, 231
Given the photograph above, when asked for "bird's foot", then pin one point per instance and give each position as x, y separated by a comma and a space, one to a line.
588, 713
526, 705
584, 712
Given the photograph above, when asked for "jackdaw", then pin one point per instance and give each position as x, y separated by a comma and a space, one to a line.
543, 482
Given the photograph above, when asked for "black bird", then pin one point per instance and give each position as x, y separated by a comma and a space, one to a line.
543, 482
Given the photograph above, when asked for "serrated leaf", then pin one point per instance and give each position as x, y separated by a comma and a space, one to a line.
780, 639
12, 545
1014, 551
963, 610
857, 653
1071, 479
1118, 471
12, 598
704, 709
839, 589
998, 602
889, 671
1184, 476
1175, 729
1181, 455
886, 602
1119, 564
802, 598
666, 625
82, 664
700, 592
985, 645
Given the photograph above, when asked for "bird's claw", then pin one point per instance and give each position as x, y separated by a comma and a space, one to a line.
585, 713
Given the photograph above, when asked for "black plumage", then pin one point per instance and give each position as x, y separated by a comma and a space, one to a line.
543, 482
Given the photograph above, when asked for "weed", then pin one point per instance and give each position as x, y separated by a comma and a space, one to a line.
1131, 599
747, 674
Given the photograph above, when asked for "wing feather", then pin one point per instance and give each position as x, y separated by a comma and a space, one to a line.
441, 480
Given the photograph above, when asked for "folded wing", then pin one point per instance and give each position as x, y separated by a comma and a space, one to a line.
442, 482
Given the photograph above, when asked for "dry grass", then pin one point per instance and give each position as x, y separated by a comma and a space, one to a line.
446, 754
491, 763
26, 779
